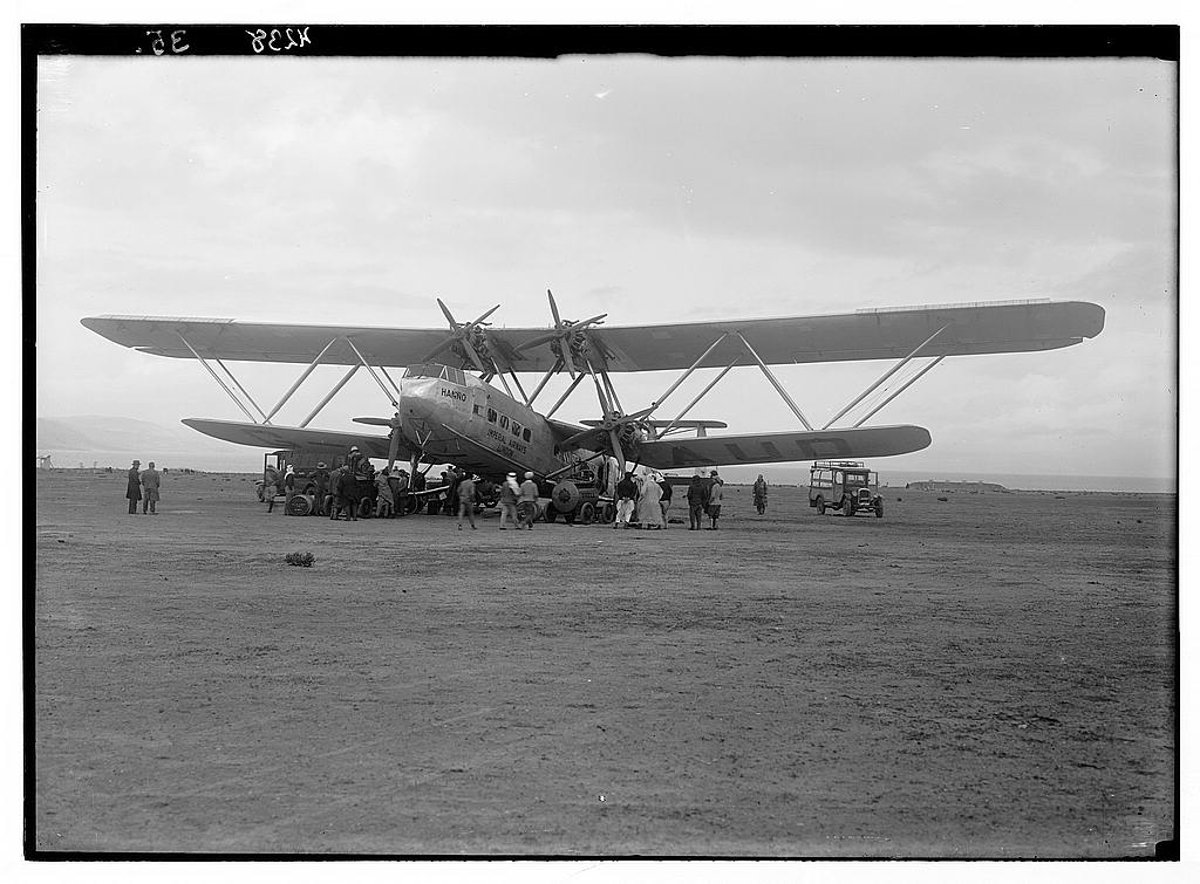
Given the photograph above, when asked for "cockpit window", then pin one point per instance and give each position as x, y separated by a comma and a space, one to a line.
423, 371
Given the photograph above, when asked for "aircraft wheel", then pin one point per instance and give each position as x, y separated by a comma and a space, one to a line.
551, 512
820, 506
587, 512
847, 507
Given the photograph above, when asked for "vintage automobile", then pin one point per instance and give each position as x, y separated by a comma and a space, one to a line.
847, 486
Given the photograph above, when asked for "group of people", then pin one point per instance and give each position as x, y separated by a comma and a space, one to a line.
704, 499
143, 485
643, 500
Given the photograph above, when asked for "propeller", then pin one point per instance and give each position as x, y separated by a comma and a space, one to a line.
393, 423
469, 335
566, 332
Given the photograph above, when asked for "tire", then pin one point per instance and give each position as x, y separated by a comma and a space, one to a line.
587, 512
847, 506
299, 505
551, 512
366, 508
820, 505
434, 507
608, 513
879, 509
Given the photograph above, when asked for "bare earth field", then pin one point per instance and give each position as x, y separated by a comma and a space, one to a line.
990, 675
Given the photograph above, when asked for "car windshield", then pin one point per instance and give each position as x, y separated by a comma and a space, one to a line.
856, 479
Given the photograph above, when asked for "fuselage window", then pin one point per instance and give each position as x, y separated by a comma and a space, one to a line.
516, 429
475, 408
503, 422
491, 415
525, 434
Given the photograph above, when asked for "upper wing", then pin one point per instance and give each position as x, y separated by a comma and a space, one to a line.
781, 447
866, 334
270, 436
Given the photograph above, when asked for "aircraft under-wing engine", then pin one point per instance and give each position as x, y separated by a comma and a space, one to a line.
444, 414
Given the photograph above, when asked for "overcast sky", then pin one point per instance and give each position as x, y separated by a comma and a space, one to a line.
357, 190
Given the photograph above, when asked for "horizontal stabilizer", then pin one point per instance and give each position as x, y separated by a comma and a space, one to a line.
857, 443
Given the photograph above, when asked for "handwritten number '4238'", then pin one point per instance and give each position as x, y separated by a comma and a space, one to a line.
274, 39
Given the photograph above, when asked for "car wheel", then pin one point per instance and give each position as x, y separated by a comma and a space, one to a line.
820, 506
847, 507
587, 512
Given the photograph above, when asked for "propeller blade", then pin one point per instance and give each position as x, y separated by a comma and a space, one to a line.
618, 451
589, 321
537, 342
480, 320
449, 316
394, 443
580, 438
554, 309
440, 347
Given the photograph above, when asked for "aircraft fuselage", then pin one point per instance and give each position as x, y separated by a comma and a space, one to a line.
456, 417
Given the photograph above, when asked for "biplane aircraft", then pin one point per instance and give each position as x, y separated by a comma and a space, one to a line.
442, 413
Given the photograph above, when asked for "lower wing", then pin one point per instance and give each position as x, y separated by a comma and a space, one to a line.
270, 436
782, 447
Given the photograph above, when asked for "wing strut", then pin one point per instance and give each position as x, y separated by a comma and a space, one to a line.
904, 387
337, 387
216, 377
774, 383
300, 380
386, 392
887, 374
675, 420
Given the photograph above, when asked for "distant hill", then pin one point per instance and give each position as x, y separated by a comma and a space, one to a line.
114, 441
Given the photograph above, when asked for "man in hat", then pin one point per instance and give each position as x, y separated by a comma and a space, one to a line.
385, 503
466, 500
527, 502
133, 487
715, 494
510, 491
150, 481
320, 488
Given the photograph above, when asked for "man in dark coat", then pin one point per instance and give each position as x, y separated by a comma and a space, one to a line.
320, 488
697, 497
133, 490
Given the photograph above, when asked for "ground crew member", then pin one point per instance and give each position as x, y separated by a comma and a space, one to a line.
527, 502
466, 500
626, 494
665, 502
510, 491
133, 487
345, 494
321, 488
760, 494
150, 481
695, 498
715, 494
385, 504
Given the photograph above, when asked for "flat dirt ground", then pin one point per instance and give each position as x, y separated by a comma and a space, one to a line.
991, 675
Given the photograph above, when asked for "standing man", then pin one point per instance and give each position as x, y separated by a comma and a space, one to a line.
666, 497
510, 491
320, 489
626, 494
715, 494
695, 499
133, 487
760, 494
527, 502
466, 500
385, 503
150, 482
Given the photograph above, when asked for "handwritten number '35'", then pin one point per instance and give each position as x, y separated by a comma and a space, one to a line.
273, 40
